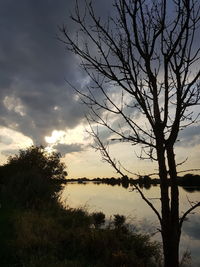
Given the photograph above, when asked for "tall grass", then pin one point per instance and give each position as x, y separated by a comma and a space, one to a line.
59, 237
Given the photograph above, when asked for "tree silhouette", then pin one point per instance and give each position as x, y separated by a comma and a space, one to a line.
143, 62
32, 177
98, 219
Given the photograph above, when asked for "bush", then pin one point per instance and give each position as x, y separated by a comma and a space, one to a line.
119, 220
49, 239
98, 219
32, 177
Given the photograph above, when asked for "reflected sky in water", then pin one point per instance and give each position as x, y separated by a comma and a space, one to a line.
118, 200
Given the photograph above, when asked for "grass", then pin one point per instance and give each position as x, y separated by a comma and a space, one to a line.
64, 237
51, 235
7, 253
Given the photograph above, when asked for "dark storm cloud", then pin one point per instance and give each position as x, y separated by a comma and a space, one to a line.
189, 136
35, 99
65, 149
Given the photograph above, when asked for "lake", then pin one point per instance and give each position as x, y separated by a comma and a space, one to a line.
119, 200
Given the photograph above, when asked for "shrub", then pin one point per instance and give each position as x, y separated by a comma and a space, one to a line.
98, 219
48, 239
119, 220
32, 177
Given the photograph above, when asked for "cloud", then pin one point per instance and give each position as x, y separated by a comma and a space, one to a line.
189, 137
6, 140
9, 152
68, 148
191, 227
35, 99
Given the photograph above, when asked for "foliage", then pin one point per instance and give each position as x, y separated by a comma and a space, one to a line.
31, 177
36, 158
7, 233
98, 219
43, 239
119, 220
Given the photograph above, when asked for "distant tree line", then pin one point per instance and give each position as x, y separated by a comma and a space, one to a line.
143, 181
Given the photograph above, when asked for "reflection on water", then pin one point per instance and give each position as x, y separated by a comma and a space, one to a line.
191, 188
124, 201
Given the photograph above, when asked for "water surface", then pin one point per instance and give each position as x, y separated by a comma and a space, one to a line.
124, 201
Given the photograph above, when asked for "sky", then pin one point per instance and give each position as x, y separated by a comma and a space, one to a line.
37, 106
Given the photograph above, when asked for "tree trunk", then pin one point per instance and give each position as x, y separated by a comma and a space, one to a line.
170, 229
171, 251
175, 228
165, 209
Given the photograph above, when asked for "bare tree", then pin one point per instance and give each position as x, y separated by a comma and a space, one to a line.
143, 60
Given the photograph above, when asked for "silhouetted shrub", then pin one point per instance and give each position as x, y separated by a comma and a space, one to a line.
32, 177
47, 239
98, 219
119, 220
